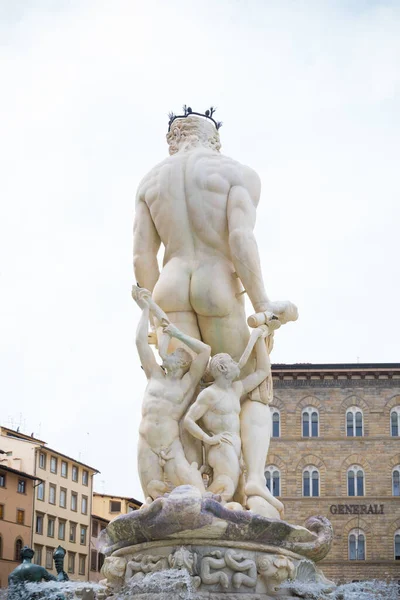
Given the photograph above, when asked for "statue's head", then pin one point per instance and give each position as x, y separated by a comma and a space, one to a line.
179, 360
191, 131
27, 552
223, 365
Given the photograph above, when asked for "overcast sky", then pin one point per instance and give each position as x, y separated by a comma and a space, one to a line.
308, 92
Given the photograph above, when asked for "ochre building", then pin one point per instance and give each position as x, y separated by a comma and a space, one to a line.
61, 504
16, 509
335, 451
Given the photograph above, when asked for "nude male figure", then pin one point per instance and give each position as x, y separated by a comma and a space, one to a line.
169, 391
217, 408
201, 206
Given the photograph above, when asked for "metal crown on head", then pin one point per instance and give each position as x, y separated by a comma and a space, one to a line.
188, 111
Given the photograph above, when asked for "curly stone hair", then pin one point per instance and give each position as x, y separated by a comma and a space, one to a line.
191, 131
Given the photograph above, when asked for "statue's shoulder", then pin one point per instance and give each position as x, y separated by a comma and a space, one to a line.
152, 175
242, 174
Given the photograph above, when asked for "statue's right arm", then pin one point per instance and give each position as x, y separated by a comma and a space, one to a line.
195, 413
200, 362
241, 213
146, 243
147, 358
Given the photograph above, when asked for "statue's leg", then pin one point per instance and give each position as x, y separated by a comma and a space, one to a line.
179, 471
256, 428
225, 463
150, 471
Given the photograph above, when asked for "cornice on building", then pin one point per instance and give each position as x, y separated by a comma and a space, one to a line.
336, 375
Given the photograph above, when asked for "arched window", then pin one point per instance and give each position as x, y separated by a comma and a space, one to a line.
354, 422
310, 422
17, 550
356, 544
395, 421
397, 545
355, 481
273, 479
396, 481
276, 422
310, 481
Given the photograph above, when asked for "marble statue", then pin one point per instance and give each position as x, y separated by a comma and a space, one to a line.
201, 206
209, 525
169, 390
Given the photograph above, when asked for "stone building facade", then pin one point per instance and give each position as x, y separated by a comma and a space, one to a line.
335, 451
62, 501
16, 508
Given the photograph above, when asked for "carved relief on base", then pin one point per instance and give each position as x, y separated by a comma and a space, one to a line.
227, 572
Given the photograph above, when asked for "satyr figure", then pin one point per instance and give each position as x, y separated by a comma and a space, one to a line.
168, 393
201, 206
218, 409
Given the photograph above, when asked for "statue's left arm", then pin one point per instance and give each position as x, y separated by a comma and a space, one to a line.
146, 243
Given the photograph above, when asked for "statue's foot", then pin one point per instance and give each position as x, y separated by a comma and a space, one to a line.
253, 488
259, 506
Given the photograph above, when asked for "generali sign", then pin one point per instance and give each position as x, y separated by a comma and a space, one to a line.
357, 509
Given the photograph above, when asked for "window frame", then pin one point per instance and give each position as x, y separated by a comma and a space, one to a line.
85, 477
395, 410
120, 506
82, 557
41, 486
62, 523
20, 511
309, 411
357, 532
271, 470
52, 486
74, 500
53, 459
84, 500
39, 516
275, 411
396, 469
72, 530
53, 521
83, 529
49, 552
75, 470
355, 469
310, 470
353, 411
18, 545
63, 494
44, 456
395, 555
21, 483
64, 463
71, 555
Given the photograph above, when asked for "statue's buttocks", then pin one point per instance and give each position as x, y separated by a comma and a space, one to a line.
187, 196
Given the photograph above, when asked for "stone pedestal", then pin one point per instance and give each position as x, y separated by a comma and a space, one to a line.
189, 546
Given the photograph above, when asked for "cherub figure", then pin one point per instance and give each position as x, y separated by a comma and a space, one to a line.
169, 390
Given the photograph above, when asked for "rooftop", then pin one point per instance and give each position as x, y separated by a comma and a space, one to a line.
119, 497
20, 473
15, 434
